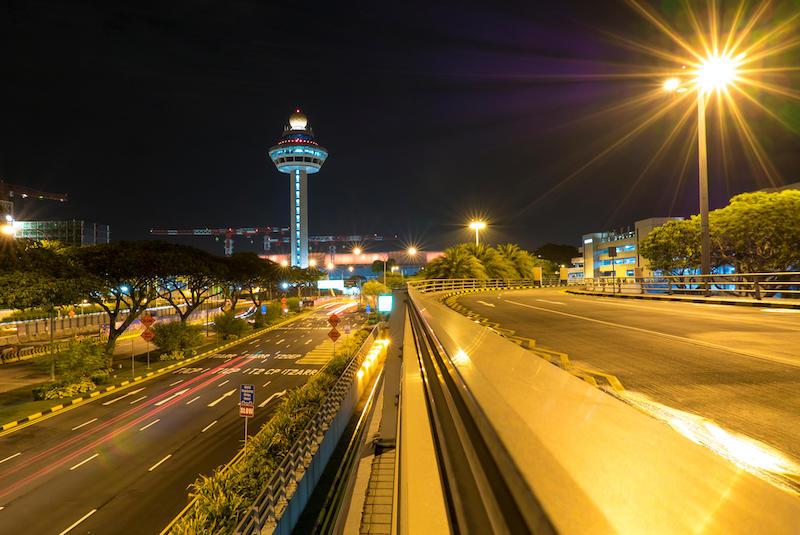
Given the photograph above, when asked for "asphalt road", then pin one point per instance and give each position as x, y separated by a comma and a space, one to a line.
736, 366
122, 464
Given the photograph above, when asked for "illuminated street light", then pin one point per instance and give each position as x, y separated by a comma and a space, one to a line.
312, 263
411, 251
350, 269
356, 251
477, 226
330, 266
7, 230
715, 73
284, 263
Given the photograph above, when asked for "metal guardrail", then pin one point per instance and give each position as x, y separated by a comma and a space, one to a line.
275, 510
483, 489
784, 285
440, 285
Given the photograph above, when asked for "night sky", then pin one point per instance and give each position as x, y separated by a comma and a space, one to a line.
160, 117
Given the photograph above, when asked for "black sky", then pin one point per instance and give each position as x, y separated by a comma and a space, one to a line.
160, 116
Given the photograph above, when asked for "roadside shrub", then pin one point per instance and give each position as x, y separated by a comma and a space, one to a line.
80, 359
227, 325
177, 336
223, 497
63, 390
175, 354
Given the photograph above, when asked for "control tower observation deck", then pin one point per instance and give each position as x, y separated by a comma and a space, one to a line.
298, 154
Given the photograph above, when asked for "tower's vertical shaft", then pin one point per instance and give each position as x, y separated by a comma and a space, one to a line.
298, 211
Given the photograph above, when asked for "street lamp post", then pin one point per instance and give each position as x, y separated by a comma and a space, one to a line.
715, 73
477, 226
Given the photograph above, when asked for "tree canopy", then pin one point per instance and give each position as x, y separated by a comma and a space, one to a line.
756, 233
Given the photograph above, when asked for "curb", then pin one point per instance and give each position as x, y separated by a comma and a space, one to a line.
136, 380
595, 378
756, 304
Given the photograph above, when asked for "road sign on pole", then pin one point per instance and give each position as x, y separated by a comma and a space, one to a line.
247, 401
334, 335
333, 319
147, 320
148, 335
247, 395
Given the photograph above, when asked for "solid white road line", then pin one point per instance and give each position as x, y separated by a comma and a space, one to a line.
20, 453
123, 396
281, 341
787, 310
154, 422
193, 400
84, 461
138, 400
487, 304
206, 428
81, 519
226, 394
173, 396
176, 382
158, 463
308, 341
79, 426
551, 302
224, 382
273, 396
268, 382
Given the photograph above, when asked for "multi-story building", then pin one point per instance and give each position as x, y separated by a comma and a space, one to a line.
597, 262
71, 232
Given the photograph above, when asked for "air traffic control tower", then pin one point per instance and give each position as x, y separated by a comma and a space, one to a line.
298, 154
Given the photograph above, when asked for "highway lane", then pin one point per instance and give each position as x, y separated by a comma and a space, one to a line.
130, 456
736, 366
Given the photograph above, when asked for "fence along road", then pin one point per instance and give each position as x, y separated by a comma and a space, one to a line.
594, 462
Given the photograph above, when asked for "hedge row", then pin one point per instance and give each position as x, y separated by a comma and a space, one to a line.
224, 496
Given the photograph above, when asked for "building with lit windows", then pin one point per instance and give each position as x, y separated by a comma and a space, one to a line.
70, 232
298, 154
597, 262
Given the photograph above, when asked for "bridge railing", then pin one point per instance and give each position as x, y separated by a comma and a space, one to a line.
527, 447
440, 285
783, 285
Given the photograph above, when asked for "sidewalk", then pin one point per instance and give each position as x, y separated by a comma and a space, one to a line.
740, 301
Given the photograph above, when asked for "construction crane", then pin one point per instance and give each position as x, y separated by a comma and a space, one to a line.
8, 192
272, 235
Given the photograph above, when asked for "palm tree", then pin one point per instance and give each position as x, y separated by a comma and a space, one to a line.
456, 263
523, 261
494, 264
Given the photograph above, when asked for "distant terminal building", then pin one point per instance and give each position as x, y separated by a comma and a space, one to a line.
597, 262
298, 154
71, 232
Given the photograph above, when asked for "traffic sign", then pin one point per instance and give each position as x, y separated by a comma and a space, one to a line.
334, 335
368, 309
148, 335
247, 395
246, 411
283, 300
333, 319
147, 320
346, 329
263, 310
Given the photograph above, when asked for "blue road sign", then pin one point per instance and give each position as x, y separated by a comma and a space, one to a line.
368, 309
247, 395
264, 310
